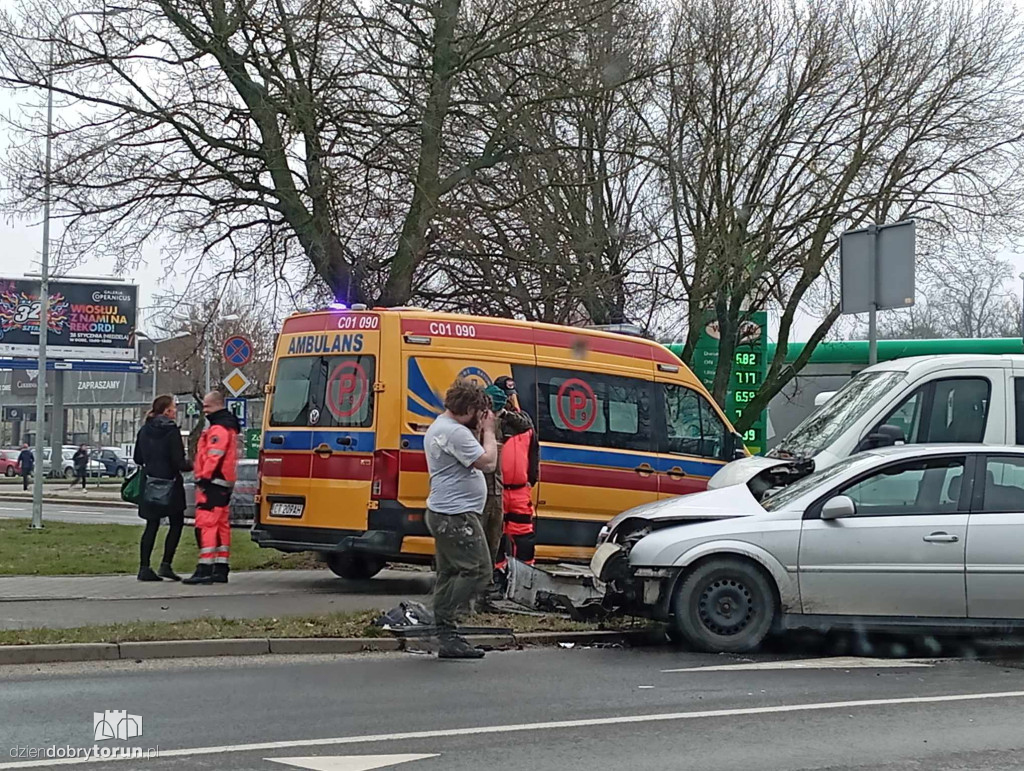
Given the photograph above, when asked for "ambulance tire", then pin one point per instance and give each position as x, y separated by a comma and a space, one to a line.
354, 566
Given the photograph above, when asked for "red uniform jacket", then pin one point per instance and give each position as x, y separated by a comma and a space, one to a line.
216, 461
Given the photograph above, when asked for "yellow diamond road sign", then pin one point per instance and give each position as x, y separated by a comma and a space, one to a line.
236, 382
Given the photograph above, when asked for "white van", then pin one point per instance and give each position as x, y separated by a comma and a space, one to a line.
926, 399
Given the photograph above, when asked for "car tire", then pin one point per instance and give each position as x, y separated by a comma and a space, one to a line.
725, 605
69, 473
354, 566
119, 472
9, 472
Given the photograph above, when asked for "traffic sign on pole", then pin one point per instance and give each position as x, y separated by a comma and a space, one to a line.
238, 350
236, 382
240, 409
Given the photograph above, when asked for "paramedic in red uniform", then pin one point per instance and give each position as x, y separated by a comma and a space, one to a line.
520, 470
215, 475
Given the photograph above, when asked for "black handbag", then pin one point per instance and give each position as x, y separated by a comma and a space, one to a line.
157, 491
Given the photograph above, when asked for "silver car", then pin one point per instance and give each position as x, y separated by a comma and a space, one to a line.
901, 538
242, 510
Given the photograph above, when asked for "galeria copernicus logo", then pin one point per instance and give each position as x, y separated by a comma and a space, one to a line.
115, 724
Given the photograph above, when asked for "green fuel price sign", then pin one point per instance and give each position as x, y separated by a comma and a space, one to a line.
749, 368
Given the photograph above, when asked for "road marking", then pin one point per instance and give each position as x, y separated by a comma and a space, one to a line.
839, 662
348, 762
445, 733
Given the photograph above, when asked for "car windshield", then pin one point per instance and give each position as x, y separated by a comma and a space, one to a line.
849, 404
785, 495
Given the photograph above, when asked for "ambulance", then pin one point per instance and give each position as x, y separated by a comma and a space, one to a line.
621, 421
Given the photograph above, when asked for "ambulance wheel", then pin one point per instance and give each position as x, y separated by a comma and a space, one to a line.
354, 566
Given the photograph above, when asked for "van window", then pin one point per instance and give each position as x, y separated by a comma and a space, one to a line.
594, 410
692, 427
323, 391
943, 411
1018, 404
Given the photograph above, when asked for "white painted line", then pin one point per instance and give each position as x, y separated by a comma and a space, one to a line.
841, 662
444, 733
347, 762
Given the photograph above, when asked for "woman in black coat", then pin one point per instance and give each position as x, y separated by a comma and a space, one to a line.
160, 453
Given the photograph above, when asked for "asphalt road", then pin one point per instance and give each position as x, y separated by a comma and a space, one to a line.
69, 512
546, 709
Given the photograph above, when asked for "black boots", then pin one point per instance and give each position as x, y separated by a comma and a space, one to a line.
220, 573
146, 574
167, 572
203, 575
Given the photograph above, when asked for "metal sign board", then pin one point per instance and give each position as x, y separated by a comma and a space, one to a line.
240, 409
87, 320
252, 443
236, 382
238, 350
877, 267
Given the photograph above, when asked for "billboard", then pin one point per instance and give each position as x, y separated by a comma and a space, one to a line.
87, 320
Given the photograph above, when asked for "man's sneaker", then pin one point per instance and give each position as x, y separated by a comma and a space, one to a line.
457, 648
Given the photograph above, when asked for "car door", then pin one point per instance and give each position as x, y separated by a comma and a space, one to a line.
692, 440
995, 540
902, 554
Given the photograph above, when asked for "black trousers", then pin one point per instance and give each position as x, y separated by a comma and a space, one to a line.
176, 521
24, 481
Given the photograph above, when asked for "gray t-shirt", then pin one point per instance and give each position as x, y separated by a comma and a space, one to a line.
455, 486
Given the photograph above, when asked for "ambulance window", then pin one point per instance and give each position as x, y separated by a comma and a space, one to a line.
324, 391
692, 427
594, 410
292, 386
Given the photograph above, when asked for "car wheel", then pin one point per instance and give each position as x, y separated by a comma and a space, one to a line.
354, 566
69, 473
119, 472
9, 472
726, 605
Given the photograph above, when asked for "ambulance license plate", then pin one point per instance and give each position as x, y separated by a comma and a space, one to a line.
286, 509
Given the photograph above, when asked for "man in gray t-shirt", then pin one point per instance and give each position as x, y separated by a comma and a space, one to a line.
456, 462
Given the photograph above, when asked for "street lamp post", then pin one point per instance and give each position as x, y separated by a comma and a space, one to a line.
44, 275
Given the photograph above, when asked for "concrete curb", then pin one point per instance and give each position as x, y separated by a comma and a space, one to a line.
258, 646
84, 502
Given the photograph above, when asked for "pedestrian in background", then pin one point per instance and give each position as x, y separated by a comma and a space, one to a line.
215, 475
456, 462
160, 454
80, 461
27, 464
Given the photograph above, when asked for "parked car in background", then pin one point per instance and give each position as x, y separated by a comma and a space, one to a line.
115, 462
9, 465
67, 469
927, 538
243, 497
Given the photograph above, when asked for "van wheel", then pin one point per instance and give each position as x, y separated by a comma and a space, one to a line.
69, 473
354, 566
726, 605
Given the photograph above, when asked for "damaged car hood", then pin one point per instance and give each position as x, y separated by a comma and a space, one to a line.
732, 501
739, 472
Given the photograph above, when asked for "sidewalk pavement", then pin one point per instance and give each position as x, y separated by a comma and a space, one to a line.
68, 601
95, 497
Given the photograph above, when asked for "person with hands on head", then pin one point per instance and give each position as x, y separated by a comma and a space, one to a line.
456, 463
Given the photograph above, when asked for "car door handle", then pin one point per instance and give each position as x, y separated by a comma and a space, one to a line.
644, 469
941, 538
676, 472
323, 450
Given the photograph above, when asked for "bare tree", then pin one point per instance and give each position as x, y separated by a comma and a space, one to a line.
781, 124
282, 136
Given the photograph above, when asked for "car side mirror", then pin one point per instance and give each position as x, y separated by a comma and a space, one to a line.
839, 507
736, 448
884, 436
